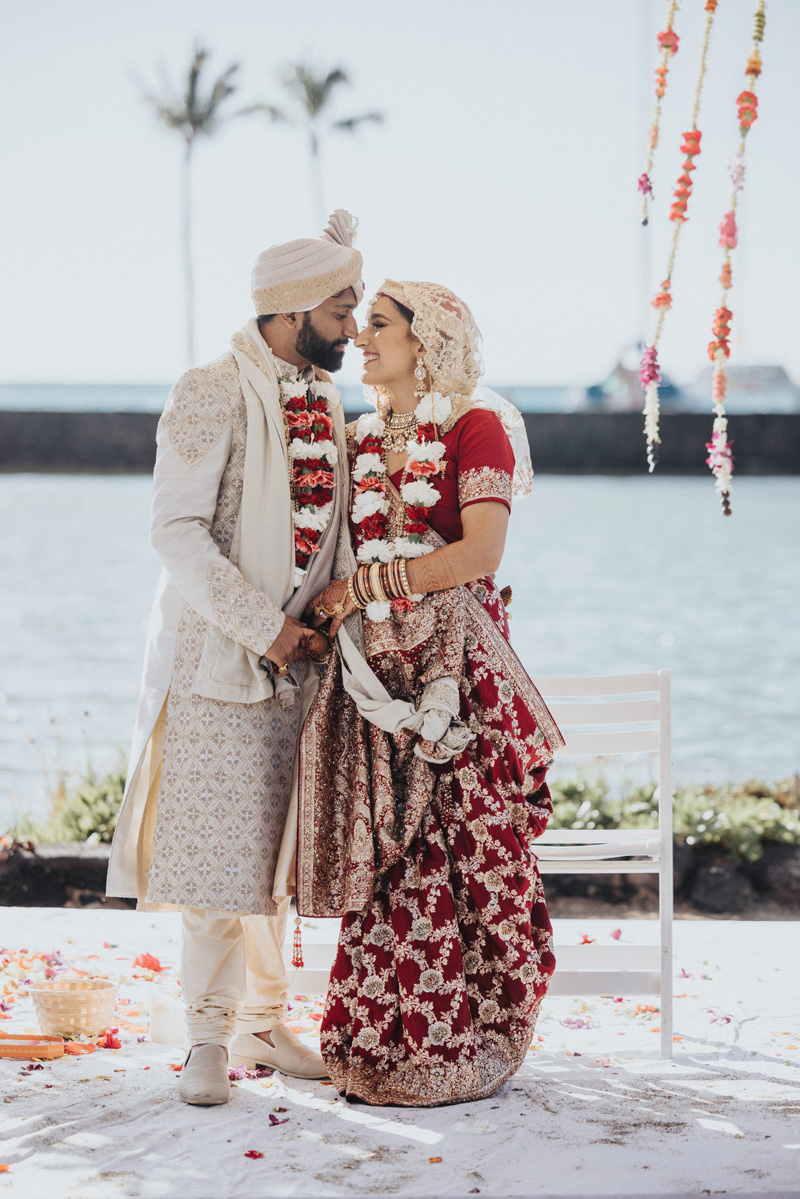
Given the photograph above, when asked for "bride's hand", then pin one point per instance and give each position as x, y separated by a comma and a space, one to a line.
316, 646
334, 604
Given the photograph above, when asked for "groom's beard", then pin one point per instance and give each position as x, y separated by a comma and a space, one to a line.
329, 355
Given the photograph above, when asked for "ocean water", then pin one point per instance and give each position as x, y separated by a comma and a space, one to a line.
151, 397
609, 576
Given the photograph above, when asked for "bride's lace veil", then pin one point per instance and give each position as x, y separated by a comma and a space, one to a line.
451, 341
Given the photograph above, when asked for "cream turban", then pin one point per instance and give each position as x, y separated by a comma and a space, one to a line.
296, 276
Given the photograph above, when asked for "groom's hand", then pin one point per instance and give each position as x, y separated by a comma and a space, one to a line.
287, 648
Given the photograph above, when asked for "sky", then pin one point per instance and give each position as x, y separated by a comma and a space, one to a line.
505, 168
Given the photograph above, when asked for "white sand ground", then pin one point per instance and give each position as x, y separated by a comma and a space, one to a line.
593, 1112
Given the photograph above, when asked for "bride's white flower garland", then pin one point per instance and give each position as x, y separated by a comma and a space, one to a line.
312, 457
370, 507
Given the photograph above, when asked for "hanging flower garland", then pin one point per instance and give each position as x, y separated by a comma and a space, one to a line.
370, 507
668, 46
649, 371
312, 457
720, 458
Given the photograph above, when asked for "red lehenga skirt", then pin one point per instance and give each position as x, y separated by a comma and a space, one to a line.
445, 951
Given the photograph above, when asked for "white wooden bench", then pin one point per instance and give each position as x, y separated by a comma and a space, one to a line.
610, 706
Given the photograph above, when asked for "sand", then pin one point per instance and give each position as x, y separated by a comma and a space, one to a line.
593, 1112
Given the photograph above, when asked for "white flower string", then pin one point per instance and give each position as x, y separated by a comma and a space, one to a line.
370, 508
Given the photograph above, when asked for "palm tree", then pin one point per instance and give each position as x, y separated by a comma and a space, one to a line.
311, 92
193, 115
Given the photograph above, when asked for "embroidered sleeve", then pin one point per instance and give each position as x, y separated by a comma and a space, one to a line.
485, 460
244, 614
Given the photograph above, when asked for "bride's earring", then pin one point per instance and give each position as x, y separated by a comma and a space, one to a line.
421, 375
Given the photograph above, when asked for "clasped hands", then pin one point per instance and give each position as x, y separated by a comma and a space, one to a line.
296, 641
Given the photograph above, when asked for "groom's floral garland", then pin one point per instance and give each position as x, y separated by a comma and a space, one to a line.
370, 508
312, 457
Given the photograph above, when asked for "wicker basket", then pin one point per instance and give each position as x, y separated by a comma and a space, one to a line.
69, 1008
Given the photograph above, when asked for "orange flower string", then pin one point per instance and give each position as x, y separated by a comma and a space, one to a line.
663, 299
720, 457
668, 46
690, 148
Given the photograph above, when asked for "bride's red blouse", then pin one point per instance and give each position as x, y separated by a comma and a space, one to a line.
480, 466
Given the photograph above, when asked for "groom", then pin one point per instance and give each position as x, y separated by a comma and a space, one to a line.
203, 826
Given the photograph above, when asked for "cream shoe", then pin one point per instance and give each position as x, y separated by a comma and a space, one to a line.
289, 1054
204, 1078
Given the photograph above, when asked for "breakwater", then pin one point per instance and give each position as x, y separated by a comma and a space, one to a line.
584, 443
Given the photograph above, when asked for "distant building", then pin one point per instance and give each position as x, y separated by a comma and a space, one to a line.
750, 389
543, 399
621, 391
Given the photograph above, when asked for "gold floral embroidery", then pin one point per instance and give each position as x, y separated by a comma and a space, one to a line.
483, 483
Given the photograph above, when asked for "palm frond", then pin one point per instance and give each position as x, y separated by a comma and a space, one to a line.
350, 124
193, 114
312, 90
276, 114
337, 75
193, 79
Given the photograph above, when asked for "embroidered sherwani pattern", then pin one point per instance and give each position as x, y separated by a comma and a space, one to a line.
227, 767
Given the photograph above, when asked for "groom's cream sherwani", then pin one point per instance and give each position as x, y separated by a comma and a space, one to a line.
213, 763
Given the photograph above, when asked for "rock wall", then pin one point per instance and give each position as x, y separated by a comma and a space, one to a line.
589, 443
74, 875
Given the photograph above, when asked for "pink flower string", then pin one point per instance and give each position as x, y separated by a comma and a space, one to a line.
728, 233
720, 457
645, 186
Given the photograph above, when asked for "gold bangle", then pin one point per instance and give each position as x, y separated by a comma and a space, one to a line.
394, 578
376, 586
361, 586
352, 593
404, 579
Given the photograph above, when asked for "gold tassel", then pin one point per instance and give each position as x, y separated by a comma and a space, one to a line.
297, 946
506, 596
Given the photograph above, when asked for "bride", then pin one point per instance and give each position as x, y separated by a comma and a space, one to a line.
423, 758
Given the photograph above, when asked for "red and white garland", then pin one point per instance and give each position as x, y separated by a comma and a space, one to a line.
312, 457
370, 508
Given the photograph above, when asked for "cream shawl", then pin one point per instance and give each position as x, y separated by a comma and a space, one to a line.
263, 542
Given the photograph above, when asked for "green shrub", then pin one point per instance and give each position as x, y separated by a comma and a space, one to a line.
89, 811
739, 818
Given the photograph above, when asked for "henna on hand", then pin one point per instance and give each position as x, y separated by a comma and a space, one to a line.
315, 645
336, 593
433, 572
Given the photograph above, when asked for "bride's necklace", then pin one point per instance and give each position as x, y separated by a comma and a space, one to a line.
400, 428
417, 433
